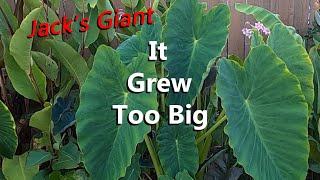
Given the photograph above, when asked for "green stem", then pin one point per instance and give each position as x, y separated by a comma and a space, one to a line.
162, 97
154, 156
206, 149
200, 133
214, 127
199, 102
36, 87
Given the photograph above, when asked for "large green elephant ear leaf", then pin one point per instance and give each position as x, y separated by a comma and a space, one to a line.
267, 115
314, 54
177, 149
133, 171
106, 86
8, 137
268, 18
194, 40
296, 58
140, 43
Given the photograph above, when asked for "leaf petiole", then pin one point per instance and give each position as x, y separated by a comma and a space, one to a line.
213, 128
154, 156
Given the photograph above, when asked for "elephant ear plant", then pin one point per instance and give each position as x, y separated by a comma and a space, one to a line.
262, 111
265, 100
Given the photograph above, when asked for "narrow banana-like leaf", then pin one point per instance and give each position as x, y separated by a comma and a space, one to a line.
8, 21
46, 15
81, 5
91, 35
71, 59
20, 45
104, 5
130, 3
21, 81
46, 64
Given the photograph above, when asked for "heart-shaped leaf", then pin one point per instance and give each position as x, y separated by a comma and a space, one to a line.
63, 114
133, 171
184, 175
69, 157
106, 85
140, 43
267, 115
42, 120
296, 58
194, 39
8, 137
177, 149
16, 168
37, 157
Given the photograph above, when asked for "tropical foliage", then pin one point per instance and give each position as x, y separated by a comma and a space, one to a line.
56, 120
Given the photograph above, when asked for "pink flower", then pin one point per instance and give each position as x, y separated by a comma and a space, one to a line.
247, 32
257, 26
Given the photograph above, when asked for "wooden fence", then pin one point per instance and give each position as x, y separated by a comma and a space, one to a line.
297, 13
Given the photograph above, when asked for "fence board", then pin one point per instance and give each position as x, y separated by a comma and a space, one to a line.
286, 11
311, 11
236, 38
301, 10
295, 13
